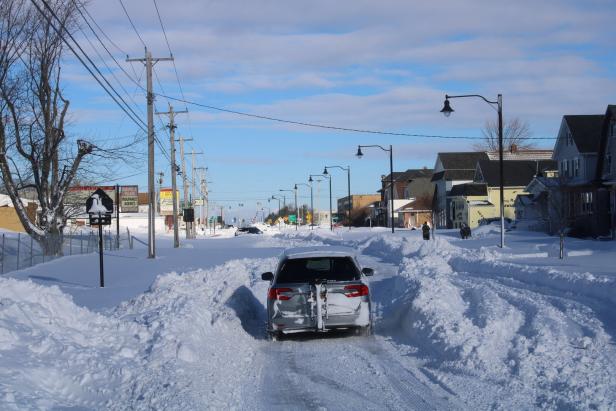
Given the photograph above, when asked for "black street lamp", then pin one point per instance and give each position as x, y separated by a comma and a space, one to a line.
391, 175
447, 110
277, 198
311, 203
294, 191
348, 170
329, 177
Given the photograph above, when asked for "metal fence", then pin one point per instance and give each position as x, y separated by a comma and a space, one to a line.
19, 250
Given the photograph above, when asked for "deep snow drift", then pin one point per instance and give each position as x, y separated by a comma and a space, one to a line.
460, 324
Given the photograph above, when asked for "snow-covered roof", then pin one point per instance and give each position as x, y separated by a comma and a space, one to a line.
318, 251
5, 201
480, 203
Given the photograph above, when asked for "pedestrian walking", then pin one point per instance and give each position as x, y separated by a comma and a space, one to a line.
425, 228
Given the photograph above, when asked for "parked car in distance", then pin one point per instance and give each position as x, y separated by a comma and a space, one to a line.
318, 289
248, 230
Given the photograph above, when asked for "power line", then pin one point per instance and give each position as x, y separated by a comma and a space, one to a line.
124, 108
329, 127
79, 9
131, 23
109, 68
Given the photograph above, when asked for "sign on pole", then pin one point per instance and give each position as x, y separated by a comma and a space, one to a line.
129, 199
166, 201
99, 207
292, 218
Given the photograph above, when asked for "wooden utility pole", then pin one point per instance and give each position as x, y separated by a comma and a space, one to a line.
149, 64
193, 231
174, 197
184, 180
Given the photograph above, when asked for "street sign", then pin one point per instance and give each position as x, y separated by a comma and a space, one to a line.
199, 202
292, 218
99, 206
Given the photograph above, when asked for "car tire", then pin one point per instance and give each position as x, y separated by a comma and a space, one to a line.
364, 331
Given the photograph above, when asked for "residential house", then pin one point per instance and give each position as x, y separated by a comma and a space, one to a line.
576, 152
418, 191
606, 169
470, 203
451, 169
542, 207
409, 186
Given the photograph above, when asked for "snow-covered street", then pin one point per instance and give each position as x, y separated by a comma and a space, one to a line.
459, 325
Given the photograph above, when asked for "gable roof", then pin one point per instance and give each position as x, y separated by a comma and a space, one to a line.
461, 160
516, 173
469, 189
455, 175
586, 131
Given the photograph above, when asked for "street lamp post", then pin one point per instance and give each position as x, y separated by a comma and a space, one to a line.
329, 177
349, 207
294, 192
391, 175
277, 198
311, 203
447, 110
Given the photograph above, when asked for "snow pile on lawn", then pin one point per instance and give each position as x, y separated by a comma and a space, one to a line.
535, 333
187, 343
55, 353
203, 327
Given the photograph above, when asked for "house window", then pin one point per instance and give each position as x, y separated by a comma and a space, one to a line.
576, 167
608, 164
563, 167
569, 138
587, 203
613, 128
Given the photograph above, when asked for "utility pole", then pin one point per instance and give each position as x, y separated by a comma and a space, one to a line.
202, 188
193, 231
184, 180
149, 64
172, 127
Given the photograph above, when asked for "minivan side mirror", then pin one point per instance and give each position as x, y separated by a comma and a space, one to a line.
267, 276
367, 271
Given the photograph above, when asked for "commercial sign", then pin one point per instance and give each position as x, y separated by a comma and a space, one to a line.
77, 196
129, 199
166, 201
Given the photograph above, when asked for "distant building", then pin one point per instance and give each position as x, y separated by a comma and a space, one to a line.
409, 186
359, 207
9, 220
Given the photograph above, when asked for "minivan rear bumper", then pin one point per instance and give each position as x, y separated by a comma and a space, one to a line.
298, 324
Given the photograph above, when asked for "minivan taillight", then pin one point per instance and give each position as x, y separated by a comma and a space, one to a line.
356, 290
278, 294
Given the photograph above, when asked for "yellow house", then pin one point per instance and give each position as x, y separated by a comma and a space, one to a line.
472, 202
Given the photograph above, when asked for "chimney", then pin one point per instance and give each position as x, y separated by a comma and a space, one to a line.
513, 148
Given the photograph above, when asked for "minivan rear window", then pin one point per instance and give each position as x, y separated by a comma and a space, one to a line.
308, 270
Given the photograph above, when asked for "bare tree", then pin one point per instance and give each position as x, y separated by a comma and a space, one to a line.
515, 132
35, 151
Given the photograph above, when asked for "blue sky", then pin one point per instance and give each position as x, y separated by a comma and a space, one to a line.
358, 64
